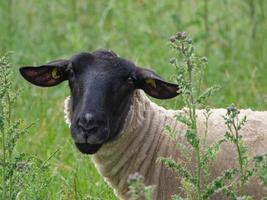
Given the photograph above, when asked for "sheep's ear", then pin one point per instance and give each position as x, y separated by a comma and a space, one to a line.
46, 75
154, 86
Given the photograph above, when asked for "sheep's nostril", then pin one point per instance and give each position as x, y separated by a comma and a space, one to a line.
87, 127
87, 124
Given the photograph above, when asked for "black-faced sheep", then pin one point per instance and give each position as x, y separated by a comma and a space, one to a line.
111, 117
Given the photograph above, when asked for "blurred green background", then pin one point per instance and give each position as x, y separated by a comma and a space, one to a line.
232, 34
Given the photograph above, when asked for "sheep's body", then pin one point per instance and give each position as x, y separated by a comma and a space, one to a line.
143, 140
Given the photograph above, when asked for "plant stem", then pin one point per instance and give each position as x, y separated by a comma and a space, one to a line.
49, 158
198, 173
206, 129
192, 108
241, 168
239, 156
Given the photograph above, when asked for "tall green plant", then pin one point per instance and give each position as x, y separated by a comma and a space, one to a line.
9, 129
247, 167
195, 186
190, 68
234, 125
22, 176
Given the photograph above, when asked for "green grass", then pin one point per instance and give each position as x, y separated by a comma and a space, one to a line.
231, 33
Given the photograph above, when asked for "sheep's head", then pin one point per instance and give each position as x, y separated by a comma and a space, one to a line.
101, 86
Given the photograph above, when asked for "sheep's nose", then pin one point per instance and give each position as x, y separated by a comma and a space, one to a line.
88, 123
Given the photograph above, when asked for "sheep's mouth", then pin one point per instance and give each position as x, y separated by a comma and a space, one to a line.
88, 148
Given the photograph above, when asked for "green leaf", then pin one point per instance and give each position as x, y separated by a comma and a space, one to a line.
229, 137
183, 118
211, 152
260, 164
192, 138
179, 168
218, 183
207, 93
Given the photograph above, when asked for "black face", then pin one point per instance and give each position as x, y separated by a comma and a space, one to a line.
101, 86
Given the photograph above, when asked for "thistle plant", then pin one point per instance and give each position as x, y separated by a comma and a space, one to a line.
190, 69
260, 168
22, 176
10, 131
246, 167
234, 125
195, 183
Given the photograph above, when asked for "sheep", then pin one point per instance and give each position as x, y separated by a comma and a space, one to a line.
111, 118
142, 141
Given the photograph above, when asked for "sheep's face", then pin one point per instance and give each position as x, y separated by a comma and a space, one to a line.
101, 86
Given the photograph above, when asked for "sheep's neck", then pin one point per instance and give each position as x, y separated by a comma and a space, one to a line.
138, 146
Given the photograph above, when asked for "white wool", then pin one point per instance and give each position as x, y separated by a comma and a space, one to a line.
143, 140
67, 110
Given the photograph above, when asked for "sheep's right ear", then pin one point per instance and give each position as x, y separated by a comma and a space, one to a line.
154, 86
47, 75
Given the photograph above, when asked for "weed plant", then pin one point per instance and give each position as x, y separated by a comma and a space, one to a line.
22, 176
231, 182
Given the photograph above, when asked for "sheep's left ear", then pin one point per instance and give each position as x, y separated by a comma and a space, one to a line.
154, 86
46, 75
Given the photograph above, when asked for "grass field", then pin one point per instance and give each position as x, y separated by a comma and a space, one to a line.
232, 34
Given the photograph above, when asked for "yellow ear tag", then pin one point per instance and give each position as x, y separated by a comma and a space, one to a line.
151, 82
55, 73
